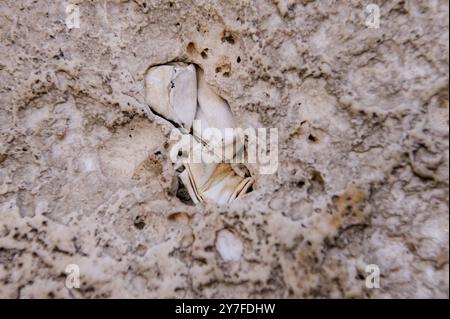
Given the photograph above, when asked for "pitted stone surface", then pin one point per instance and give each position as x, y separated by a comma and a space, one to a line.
363, 128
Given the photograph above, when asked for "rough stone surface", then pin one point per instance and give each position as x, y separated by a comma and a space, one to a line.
363, 149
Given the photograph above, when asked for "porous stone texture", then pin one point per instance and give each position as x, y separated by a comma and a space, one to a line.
362, 115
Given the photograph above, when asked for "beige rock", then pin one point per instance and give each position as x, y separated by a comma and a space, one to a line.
362, 179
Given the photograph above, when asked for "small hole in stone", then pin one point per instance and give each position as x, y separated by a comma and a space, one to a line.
317, 183
226, 74
183, 194
218, 69
204, 54
228, 38
190, 48
300, 184
312, 138
238, 60
139, 224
